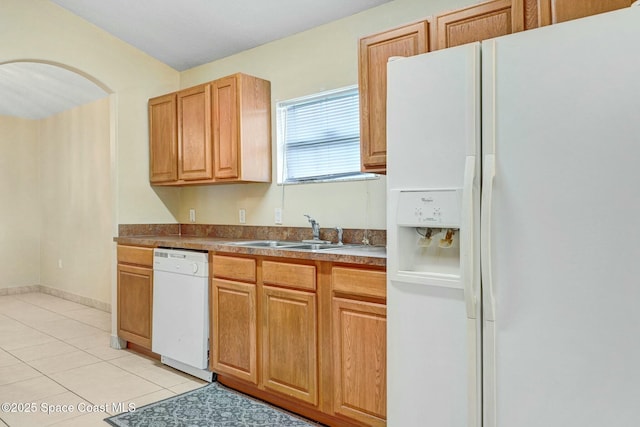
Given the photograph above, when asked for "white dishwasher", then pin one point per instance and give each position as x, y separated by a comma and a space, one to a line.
180, 332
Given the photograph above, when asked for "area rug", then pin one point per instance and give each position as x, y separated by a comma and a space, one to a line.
211, 405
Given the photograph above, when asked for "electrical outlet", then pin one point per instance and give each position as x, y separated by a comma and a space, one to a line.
192, 215
277, 217
60, 263
242, 216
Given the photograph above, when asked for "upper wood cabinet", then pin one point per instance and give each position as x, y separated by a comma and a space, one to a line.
374, 52
194, 133
479, 22
556, 11
223, 133
163, 139
242, 129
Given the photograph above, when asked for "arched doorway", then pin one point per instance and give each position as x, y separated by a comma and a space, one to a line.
61, 145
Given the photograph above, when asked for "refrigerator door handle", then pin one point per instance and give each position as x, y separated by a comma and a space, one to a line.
466, 240
488, 301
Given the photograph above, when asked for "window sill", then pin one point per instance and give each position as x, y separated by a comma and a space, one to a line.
361, 177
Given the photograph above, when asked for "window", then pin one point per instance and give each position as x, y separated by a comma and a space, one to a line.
319, 137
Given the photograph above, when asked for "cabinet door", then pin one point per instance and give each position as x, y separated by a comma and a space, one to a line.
194, 133
556, 11
135, 304
233, 329
163, 139
374, 51
479, 22
225, 127
360, 348
289, 349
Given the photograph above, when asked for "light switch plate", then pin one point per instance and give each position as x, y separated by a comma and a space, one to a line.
277, 217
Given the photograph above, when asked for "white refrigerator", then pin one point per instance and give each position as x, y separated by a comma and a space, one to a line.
513, 226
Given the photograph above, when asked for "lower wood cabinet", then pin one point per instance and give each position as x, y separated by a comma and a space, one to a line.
289, 329
289, 353
360, 360
359, 317
233, 329
135, 294
307, 336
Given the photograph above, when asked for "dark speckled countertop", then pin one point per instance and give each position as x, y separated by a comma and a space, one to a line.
223, 245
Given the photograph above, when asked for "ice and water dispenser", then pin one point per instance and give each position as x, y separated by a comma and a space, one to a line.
426, 235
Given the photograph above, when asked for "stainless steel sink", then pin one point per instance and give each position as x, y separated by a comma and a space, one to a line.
286, 244
267, 243
316, 246
346, 249
359, 250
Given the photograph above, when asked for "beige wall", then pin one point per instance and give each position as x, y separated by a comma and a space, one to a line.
42, 31
55, 226
320, 59
20, 203
38, 30
76, 206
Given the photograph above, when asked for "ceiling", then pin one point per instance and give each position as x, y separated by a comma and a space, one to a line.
33, 90
182, 34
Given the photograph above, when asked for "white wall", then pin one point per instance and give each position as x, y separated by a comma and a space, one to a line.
20, 206
320, 59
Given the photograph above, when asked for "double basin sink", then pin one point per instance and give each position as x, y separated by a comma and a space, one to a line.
346, 249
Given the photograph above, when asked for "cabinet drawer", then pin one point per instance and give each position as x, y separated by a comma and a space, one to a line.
291, 275
243, 269
135, 255
368, 283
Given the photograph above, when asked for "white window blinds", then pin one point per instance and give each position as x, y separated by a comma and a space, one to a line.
320, 136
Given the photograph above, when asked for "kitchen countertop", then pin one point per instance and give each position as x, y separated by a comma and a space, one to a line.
226, 246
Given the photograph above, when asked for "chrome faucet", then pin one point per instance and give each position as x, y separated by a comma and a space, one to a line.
339, 230
315, 227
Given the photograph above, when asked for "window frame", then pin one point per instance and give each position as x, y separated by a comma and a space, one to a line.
280, 138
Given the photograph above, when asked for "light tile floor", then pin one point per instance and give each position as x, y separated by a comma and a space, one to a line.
57, 369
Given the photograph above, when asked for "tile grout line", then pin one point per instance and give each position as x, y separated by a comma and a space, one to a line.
161, 387
84, 307
59, 340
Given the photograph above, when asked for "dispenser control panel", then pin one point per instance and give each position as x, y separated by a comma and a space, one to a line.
429, 208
